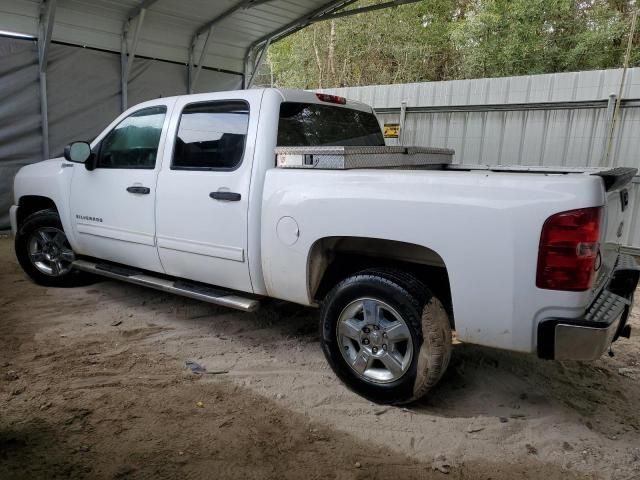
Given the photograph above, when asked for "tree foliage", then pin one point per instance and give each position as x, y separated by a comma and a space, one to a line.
453, 39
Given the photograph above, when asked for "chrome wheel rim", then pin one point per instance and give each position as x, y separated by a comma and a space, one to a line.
375, 341
50, 252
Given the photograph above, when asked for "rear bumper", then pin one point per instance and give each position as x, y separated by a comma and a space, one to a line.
13, 218
589, 336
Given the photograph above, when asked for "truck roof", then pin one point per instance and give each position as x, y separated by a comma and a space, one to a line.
308, 96
290, 95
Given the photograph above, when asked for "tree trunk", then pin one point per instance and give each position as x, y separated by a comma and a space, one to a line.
318, 61
331, 62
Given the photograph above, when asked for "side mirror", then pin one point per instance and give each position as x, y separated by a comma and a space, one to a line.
77, 152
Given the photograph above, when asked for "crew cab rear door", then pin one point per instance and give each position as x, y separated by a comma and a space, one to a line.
113, 206
203, 189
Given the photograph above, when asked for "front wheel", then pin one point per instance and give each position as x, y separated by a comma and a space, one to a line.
385, 335
44, 252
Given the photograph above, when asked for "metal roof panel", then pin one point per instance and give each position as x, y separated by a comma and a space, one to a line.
168, 27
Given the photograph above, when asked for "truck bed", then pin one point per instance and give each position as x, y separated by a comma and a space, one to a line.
421, 158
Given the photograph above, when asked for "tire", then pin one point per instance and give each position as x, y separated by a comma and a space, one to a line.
30, 245
402, 299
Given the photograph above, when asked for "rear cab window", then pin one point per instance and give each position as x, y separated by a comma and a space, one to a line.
312, 124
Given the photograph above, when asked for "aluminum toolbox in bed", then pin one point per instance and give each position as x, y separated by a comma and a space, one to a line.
347, 157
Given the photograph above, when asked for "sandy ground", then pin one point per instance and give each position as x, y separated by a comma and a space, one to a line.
93, 384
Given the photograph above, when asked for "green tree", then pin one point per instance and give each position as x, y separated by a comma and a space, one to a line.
451, 39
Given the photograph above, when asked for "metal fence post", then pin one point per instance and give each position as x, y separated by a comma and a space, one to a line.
403, 116
608, 160
611, 108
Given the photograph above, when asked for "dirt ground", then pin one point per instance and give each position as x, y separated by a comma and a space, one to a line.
94, 384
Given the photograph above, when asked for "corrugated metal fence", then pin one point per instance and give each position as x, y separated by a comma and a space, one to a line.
551, 120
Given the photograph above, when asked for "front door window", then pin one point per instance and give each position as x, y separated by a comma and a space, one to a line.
133, 143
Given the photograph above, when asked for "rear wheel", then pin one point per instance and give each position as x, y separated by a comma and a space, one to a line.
386, 335
44, 252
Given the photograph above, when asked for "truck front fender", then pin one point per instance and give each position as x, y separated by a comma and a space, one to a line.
43, 184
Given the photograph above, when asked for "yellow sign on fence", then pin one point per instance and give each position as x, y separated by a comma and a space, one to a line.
391, 130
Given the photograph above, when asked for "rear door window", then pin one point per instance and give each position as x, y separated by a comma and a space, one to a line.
311, 124
211, 136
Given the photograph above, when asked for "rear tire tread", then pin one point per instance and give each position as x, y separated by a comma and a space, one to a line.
425, 315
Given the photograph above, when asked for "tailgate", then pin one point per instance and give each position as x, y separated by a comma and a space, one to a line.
617, 215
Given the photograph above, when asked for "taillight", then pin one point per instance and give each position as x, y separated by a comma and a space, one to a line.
569, 250
325, 97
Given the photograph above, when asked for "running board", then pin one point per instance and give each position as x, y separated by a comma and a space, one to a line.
218, 296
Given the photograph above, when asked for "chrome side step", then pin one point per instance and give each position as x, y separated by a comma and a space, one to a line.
225, 298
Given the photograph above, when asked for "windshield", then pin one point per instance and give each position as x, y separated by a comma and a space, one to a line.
310, 124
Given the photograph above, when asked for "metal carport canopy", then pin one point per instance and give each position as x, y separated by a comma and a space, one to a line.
228, 35
211, 44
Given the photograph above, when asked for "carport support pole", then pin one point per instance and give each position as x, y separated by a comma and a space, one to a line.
123, 68
134, 43
127, 57
247, 68
45, 29
190, 68
203, 55
44, 115
255, 65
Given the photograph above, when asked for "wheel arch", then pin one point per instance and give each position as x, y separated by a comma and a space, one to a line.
30, 204
332, 259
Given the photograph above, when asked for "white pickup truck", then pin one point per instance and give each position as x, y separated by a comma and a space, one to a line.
186, 194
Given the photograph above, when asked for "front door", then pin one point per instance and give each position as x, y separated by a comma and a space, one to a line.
203, 192
113, 206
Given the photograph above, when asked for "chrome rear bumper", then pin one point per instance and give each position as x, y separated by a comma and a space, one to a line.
589, 336
588, 340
